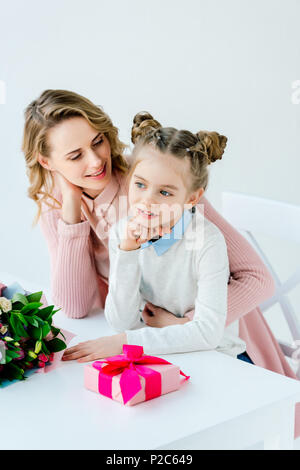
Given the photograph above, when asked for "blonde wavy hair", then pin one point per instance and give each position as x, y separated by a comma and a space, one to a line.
202, 148
49, 109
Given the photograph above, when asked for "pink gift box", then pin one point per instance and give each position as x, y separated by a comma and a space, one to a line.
133, 377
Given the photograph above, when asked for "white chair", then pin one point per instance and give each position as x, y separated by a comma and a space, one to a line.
249, 214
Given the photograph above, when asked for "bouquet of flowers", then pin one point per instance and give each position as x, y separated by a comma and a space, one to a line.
27, 337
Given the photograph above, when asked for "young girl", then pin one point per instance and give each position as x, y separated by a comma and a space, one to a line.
183, 268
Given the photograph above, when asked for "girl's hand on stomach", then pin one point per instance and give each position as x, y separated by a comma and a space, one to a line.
96, 349
158, 317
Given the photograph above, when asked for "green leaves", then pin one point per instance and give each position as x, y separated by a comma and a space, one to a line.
55, 331
19, 298
31, 307
23, 319
11, 355
13, 372
32, 320
45, 349
46, 328
35, 333
40, 329
45, 313
36, 297
56, 345
28, 327
16, 325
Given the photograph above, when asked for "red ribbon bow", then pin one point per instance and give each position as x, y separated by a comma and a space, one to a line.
129, 364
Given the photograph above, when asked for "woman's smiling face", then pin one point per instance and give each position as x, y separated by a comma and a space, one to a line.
158, 188
80, 153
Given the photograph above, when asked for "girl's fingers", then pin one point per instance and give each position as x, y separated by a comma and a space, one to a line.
90, 357
85, 359
70, 351
145, 235
143, 230
84, 355
85, 352
75, 348
75, 352
150, 306
140, 240
74, 355
132, 225
148, 313
154, 232
134, 231
165, 229
147, 223
150, 224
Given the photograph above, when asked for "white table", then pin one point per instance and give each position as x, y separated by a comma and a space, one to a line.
226, 404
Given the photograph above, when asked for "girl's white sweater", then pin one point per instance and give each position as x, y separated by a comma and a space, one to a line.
192, 271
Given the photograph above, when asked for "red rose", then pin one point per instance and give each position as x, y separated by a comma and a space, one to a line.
42, 357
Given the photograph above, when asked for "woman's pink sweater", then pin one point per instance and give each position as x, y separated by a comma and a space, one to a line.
80, 267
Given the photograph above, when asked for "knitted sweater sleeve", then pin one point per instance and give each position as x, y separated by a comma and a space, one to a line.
207, 328
251, 283
74, 283
124, 302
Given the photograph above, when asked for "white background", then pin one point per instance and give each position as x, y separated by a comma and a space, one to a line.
224, 65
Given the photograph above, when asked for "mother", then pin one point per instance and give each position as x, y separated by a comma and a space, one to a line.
77, 170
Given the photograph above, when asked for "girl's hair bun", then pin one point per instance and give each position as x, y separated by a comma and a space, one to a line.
143, 123
211, 144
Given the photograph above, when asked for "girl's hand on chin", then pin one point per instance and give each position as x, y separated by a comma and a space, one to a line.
68, 189
137, 233
96, 348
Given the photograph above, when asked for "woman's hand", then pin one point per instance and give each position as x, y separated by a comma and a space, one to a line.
67, 188
96, 349
71, 194
159, 317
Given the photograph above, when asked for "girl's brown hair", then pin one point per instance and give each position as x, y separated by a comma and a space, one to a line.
49, 109
201, 148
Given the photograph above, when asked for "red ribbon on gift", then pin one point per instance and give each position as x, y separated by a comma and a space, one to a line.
129, 364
